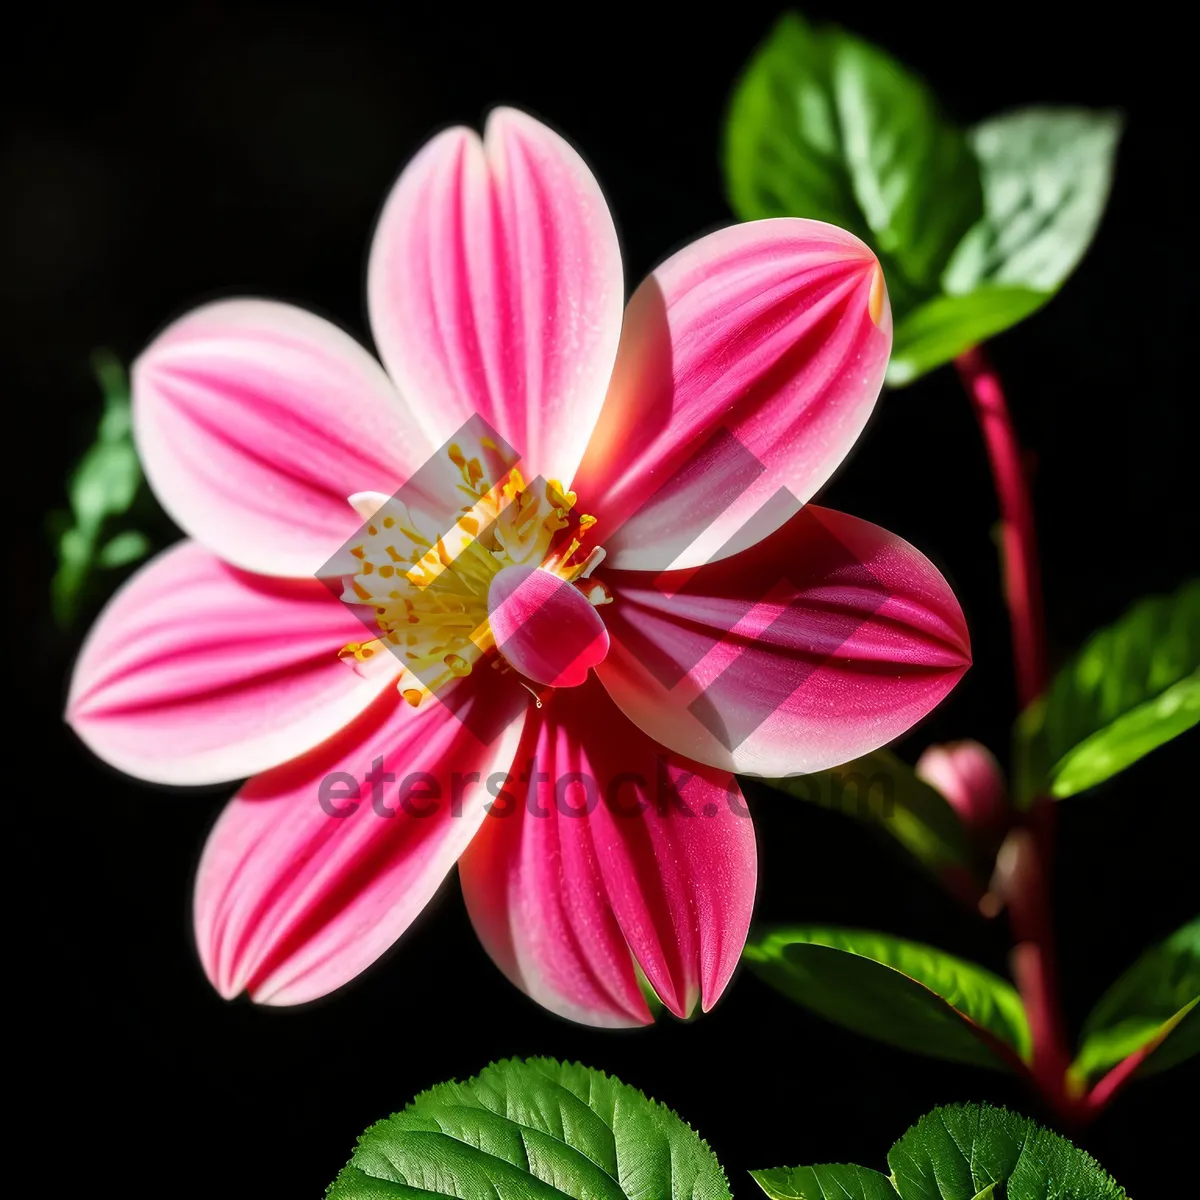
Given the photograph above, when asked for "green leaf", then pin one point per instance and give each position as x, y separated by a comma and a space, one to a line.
125, 548
833, 1181
535, 1129
966, 1151
1046, 174
881, 789
941, 329
1133, 686
104, 484
825, 125
901, 992
1181, 1041
1149, 1004
106, 479
101, 490
960, 1152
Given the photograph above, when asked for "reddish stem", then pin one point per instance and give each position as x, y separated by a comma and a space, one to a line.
1021, 878
1022, 578
1023, 864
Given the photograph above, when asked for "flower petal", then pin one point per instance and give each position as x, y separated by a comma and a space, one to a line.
196, 672
256, 420
314, 869
495, 289
749, 363
826, 640
605, 851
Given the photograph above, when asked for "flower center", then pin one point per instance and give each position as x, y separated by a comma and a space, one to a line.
502, 578
545, 626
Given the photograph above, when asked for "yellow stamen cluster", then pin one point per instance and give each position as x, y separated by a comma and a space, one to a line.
429, 589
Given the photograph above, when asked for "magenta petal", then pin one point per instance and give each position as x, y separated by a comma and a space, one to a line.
256, 420
826, 640
196, 672
749, 363
292, 899
619, 854
495, 289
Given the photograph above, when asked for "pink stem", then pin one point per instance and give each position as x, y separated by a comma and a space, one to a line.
1022, 579
1024, 876
1022, 880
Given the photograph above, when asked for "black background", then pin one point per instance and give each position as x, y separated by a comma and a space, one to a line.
156, 160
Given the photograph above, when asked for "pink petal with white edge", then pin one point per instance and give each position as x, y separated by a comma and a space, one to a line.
256, 420
749, 363
292, 900
621, 854
826, 640
495, 289
197, 672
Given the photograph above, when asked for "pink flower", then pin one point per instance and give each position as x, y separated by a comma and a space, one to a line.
617, 852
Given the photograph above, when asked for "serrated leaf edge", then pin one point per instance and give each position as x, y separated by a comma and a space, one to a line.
534, 1062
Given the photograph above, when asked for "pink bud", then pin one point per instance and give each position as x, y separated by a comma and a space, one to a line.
970, 778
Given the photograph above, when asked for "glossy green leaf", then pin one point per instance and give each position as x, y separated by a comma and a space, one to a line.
825, 125
1180, 1042
901, 992
960, 1152
535, 1129
1149, 1004
939, 330
1046, 175
102, 488
881, 789
1133, 686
